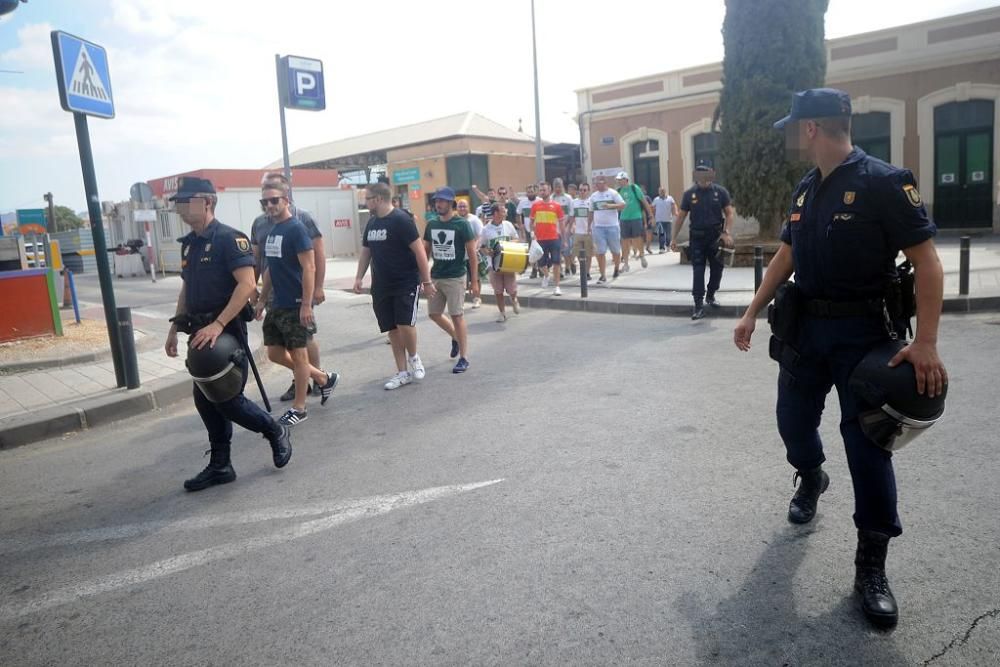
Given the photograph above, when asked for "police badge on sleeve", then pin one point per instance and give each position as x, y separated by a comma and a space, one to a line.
912, 195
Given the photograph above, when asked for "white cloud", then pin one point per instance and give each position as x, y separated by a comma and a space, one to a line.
33, 50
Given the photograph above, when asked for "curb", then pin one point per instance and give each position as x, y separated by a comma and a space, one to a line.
107, 408
951, 304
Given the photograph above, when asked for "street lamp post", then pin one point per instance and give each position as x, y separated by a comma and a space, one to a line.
539, 158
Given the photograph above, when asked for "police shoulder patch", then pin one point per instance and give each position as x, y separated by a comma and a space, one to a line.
242, 244
912, 194
801, 200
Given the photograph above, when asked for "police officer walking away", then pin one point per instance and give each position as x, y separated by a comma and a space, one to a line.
711, 222
217, 268
849, 218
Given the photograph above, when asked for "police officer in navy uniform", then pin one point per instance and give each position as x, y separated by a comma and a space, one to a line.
712, 216
217, 267
850, 216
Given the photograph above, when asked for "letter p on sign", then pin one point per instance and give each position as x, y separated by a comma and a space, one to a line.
304, 79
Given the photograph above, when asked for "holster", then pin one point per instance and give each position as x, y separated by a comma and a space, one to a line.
783, 316
784, 312
900, 294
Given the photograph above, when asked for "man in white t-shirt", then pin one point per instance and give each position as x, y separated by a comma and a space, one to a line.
583, 240
524, 222
604, 206
664, 210
561, 197
462, 210
499, 229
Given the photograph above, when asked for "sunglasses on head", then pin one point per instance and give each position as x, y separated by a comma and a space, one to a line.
273, 201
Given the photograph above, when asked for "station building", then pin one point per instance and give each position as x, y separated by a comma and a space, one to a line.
458, 151
925, 96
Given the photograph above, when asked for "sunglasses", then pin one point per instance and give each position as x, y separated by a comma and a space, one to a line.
273, 201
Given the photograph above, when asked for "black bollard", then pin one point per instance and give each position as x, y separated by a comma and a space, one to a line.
758, 267
127, 338
963, 266
584, 273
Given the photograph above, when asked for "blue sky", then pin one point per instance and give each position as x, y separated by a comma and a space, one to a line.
194, 81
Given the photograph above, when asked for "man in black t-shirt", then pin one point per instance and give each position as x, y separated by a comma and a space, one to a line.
392, 246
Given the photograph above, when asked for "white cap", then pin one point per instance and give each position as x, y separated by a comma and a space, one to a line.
623, 175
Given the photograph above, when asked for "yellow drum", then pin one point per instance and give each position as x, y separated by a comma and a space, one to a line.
511, 257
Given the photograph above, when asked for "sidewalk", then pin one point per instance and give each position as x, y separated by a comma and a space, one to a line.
54, 397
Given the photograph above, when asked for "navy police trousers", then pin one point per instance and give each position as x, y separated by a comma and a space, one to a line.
829, 349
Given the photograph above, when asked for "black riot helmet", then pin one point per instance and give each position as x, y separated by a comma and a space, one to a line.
218, 370
898, 413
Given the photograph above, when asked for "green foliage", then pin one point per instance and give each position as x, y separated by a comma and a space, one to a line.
772, 49
66, 220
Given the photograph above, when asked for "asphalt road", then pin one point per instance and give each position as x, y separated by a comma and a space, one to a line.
597, 489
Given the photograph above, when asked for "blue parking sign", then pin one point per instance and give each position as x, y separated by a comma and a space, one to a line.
304, 86
83, 76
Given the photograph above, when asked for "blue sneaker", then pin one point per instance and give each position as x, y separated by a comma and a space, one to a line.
454, 348
461, 366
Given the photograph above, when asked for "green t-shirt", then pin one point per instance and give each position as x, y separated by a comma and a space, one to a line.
632, 194
448, 241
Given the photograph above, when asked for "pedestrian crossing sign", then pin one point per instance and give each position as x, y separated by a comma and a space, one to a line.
83, 76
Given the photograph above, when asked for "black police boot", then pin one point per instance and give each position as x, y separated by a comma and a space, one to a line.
870, 581
711, 301
281, 445
218, 471
814, 482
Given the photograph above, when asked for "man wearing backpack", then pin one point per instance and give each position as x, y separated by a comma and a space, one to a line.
633, 229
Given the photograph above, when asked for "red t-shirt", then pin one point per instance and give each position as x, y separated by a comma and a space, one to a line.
545, 216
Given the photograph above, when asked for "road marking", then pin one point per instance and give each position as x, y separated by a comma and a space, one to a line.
344, 513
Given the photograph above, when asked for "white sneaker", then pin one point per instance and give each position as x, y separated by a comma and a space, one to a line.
417, 368
475, 304
516, 306
557, 291
398, 380
501, 318
545, 282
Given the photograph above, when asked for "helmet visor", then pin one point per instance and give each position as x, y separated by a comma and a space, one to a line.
891, 430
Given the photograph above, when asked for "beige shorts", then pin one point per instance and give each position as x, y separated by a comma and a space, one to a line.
583, 242
450, 293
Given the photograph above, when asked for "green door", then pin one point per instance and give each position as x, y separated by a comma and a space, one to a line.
963, 164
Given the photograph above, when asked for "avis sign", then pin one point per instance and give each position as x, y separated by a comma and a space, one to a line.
304, 86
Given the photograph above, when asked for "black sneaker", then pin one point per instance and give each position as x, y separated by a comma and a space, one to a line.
316, 390
327, 389
698, 313
454, 348
288, 395
616, 274
602, 281
281, 446
210, 476
461, 366
293, 417
711, 301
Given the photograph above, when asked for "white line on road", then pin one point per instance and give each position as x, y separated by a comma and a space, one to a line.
31, 543
367, 508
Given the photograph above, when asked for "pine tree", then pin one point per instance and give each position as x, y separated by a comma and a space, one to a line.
772, 49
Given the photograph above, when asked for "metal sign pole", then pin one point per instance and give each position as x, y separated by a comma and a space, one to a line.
281, 115
100, 246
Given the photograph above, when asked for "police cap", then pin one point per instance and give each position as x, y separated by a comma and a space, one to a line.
817, 103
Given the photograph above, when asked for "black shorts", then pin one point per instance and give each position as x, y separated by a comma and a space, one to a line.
631, 229
393, 309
